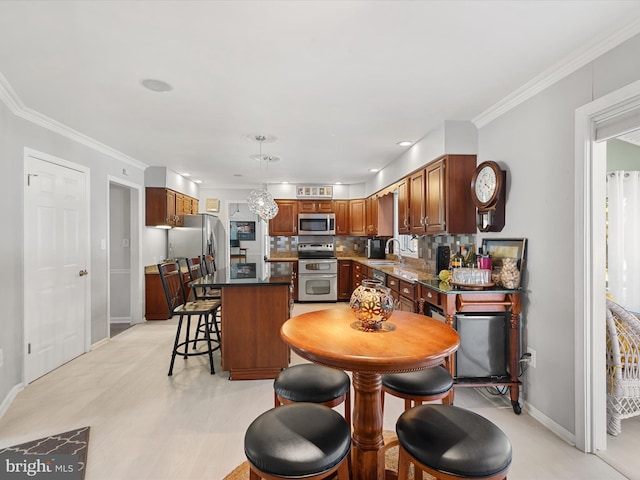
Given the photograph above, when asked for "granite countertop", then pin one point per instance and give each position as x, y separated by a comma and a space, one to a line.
408, 272
250, 274
153, 269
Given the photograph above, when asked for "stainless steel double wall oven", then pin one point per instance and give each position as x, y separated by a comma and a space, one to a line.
317, 271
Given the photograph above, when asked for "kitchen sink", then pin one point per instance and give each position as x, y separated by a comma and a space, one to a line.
382, 262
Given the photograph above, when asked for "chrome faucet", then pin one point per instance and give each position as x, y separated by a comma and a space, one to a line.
386, 247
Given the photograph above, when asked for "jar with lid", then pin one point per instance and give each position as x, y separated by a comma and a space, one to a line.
510, 274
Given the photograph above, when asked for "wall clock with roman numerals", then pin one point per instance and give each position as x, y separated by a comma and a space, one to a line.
488, 194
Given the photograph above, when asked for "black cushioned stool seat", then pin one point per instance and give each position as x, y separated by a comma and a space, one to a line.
451, 442
309, 382
419, 386
299, 440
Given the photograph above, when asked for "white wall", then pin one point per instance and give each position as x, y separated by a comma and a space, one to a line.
17, 134
534, 142
450, 137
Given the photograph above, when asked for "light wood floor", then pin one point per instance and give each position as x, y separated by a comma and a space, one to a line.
146, 425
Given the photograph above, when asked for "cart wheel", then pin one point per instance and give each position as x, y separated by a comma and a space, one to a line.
516, 408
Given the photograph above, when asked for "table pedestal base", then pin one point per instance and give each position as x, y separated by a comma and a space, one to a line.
367, 453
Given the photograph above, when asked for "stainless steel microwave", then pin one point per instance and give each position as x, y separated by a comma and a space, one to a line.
316, 224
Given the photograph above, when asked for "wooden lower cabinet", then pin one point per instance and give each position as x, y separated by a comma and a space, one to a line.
155, 301
344, 280
358, 273
403, 292
251, 320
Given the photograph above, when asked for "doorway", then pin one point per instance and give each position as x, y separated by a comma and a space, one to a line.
607, 117
125, 283
254, 242
56, 263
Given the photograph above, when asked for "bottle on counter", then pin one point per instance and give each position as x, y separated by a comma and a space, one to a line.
457, 259
470, 260
484, 260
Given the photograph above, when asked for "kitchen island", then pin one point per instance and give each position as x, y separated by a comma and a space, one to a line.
256, 301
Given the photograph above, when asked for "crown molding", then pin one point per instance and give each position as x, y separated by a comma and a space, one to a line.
557, 72
11, 99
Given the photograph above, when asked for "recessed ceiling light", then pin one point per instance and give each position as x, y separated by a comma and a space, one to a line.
404, 143
374, 170
285, 182
185, 174
197, 181
156, 85
338, 183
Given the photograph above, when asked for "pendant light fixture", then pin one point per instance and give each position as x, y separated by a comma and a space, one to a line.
260, 201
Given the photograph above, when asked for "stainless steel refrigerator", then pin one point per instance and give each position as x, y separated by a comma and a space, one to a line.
201, 234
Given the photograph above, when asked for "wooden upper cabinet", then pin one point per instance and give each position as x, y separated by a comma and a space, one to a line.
416, 202
186, 202
459, 209
167, 207
315, 206
440, 197
160, 207
435, 197
341, 209
357, 217
385, 215
180, 209
371, 212
286, 222
403, 206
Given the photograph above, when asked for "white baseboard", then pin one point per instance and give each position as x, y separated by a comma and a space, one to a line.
99, 343
4, 406
126, 320
559, 430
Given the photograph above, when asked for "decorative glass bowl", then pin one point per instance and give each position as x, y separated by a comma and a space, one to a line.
372, 304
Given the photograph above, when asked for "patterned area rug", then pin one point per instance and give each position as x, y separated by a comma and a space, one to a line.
241, 472
74, 442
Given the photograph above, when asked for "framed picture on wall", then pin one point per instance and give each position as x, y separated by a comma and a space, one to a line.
500, 248
241, 230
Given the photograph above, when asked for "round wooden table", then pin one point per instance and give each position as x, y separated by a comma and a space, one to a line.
407, 342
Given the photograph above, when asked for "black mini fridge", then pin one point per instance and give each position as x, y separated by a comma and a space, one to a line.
484, 346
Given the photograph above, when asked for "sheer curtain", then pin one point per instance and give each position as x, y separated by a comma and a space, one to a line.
623, 238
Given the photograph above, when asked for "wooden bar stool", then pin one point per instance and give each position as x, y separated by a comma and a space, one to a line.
197, 270
300, 440
309, 382
451, 443
419, 386
174, 291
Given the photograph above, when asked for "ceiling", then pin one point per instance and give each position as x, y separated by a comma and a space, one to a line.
337, 83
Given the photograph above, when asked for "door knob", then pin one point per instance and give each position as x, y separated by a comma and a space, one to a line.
82, 273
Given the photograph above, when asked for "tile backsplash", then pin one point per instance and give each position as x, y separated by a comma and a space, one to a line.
427, 247
348, 246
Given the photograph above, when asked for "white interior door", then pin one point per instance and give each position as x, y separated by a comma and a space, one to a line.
55, 267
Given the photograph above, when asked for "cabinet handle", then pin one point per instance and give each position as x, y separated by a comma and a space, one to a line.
405, 290
429, 294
